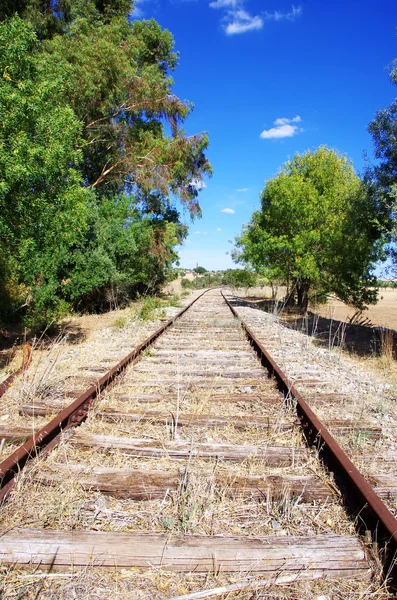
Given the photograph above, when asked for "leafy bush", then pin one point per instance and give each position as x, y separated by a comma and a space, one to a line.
186, 283
239, 278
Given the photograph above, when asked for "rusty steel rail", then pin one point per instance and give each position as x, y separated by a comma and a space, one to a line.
370, 512
26, 361
73, 415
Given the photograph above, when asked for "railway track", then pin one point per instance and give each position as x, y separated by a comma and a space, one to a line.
189, 477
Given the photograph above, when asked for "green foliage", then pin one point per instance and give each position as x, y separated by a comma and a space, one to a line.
120, 323
231, 277
381, 178
200, 270
316, 230
173, 300
118, 85
124, 253
384, 132
186, 283
149, 309
92, 158
382, 283
42, 199
239, 278
51, 17
153, 307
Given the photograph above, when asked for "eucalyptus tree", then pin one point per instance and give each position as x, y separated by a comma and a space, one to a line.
117, 80
93, 152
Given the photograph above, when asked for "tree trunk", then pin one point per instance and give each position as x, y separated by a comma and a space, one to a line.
290, 297
303, 295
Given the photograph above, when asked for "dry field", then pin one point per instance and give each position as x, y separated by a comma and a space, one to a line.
370, 335
382, 314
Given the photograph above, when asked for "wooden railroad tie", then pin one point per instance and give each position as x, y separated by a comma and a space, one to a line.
148, 485
335, 556
238, 421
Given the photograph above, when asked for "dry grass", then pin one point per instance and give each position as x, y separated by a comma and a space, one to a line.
63, 364
194, 401
6, 448
200, 506
369, 383
382, 314
10, 361
230, 434
135, 584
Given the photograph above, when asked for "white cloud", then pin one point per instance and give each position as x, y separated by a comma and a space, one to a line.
241, 22
284, 121
283, 129
238, 20
218, 229
199, 185
277, 15
223, 3
137, 11
279, 132
242, 190
228, 211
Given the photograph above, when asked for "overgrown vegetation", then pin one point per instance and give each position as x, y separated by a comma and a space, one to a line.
154, 307
149, 308
383, 283
93, 158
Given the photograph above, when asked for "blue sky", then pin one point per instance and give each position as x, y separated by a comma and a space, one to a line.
269, 78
